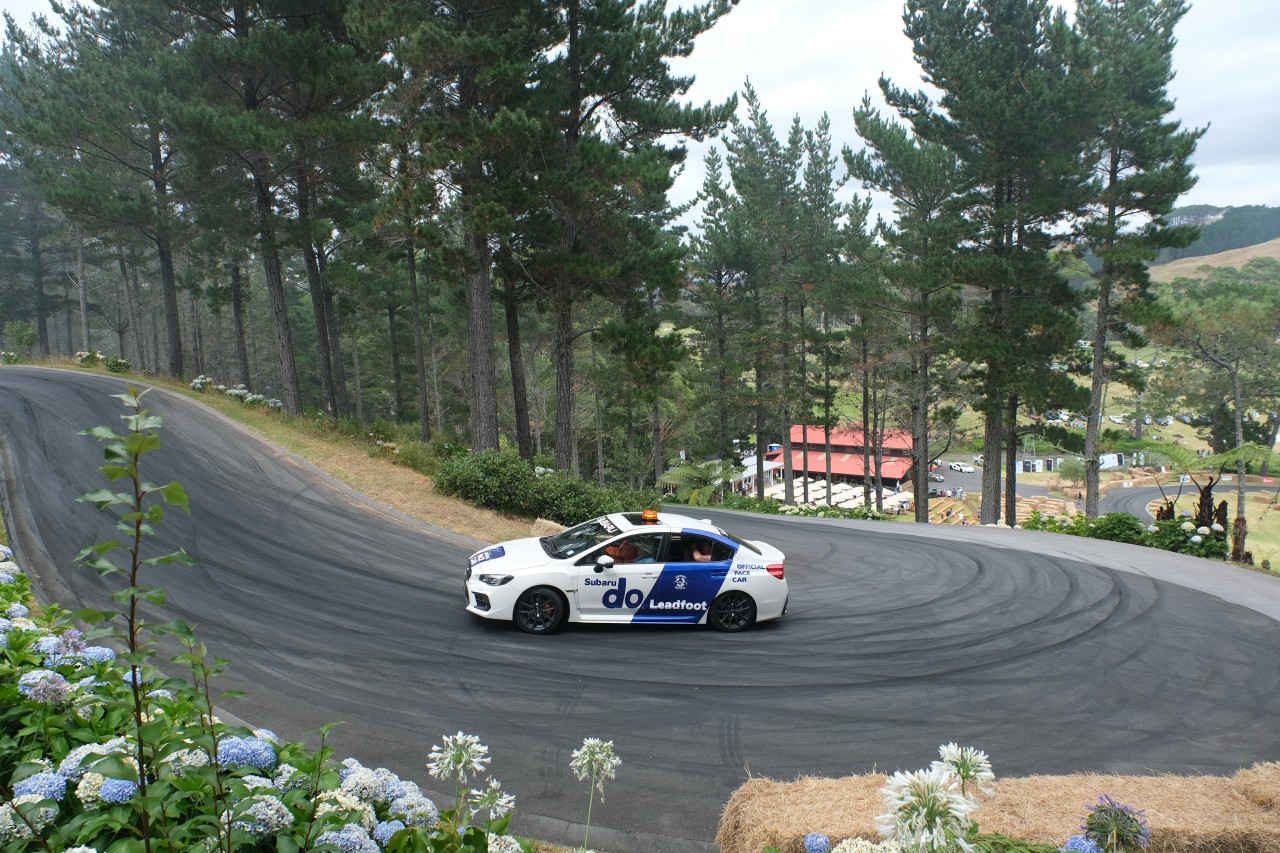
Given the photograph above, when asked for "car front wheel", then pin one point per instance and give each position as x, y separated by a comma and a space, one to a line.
540, 610
732, 611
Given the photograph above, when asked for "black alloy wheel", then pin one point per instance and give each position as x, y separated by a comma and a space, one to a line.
732, 611
540, 610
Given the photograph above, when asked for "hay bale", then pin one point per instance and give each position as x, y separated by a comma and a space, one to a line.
1186, 814
543, 527
1261, 783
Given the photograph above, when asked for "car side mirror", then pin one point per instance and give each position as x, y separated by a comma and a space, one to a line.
604, 561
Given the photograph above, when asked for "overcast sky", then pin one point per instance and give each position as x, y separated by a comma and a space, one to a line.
807, 57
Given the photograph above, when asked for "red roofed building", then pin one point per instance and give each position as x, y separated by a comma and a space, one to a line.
846, 454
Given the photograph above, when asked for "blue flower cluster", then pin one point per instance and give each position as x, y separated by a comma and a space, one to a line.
43, 685
48, 786
247, 752
118, 791
1080, 844
351, 838
816, 842
385, 829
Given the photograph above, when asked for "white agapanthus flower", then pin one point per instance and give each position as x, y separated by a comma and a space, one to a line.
595, 760
459, 756
926, 810
492, 799
971, 766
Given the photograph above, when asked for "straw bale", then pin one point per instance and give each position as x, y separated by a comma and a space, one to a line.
1186, 814
1261, 783
544, 527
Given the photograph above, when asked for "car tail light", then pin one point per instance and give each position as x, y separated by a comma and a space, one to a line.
775, 570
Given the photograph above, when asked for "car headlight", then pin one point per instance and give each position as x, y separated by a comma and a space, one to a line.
494, 580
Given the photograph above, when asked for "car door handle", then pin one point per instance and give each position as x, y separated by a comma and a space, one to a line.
647, 577
719, 575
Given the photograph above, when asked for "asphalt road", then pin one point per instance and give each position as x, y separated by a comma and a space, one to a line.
1052, 654
1137, 501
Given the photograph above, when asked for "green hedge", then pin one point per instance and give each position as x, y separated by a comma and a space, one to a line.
503, 482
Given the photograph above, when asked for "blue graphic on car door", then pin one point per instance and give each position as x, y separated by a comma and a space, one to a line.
683, 591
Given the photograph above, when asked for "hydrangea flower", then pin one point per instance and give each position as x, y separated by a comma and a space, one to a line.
1188, 527
13, 826
17, 611
43, 685
1196, 540
927, 810
287, 777
1152, 528
816, 842
504, 844
73, 766
247, 752
260, 815
415, 810
117, 791
6, 625
49, 786
1203, 531
331, 802
81, 850
349, 839
1218, 528
89, 790
6, 553
252, 782
366, 784
862, 845
186, 759
384, 830
459, 756
7, 577
1080, 844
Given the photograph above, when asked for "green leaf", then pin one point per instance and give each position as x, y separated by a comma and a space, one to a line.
180, 556
103, 498
138, 443
116, 472
175, 495
102, 433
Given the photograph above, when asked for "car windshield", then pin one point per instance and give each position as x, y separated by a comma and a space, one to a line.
575, 540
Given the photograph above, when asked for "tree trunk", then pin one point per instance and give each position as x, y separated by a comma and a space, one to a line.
419, 354
82, 290
992, 445
237, 318
1011, 464
1097, 385
519, 393
658, 461
37, 281
342, 404
920, 414
480, 359
291, 391
392, 334
315, 287
164, 256
131, 306
564, 384
355, 370
1240, 526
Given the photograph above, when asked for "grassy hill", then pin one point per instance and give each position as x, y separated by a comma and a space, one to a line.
1186, 267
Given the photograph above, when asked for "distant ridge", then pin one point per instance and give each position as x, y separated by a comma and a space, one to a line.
1223, 229
1186, 267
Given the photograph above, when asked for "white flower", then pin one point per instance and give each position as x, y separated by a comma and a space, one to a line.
596, 760
1218, 528
862, 845
492, 799
459, 756
970, 765
1187, 527
1196, 540
1203, 531
348, 806
1151, 528
927, 810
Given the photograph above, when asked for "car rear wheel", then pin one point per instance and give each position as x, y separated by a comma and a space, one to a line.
540, 610
732, 611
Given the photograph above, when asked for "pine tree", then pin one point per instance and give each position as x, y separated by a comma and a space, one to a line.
1015, 113
1143, 164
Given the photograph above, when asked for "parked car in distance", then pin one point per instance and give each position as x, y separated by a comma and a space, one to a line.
936, 477
977, 460
962, 467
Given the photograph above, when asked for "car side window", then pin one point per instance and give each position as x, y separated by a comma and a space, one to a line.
699, 549
639, 548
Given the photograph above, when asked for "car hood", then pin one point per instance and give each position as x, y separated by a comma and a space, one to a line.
509, 556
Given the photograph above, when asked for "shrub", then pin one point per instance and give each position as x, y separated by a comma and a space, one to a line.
569, 500
751, 504
88, 359
8, 358
493, 479
1183, 537
1117, 527
116, 364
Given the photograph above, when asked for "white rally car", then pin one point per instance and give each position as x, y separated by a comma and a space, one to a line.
629, 567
